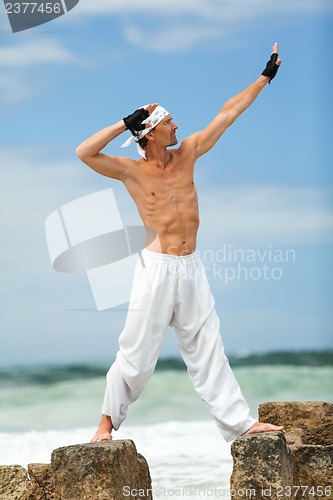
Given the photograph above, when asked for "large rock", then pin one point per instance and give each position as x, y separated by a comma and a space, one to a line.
16, 485
296, 465
108, 470
313, 417
262, 466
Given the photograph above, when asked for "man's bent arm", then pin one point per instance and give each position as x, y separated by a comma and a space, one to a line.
90, 152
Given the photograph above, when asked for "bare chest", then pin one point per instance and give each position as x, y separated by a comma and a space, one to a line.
159, 187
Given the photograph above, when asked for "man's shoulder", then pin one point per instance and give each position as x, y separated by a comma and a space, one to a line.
187, 146
189, 142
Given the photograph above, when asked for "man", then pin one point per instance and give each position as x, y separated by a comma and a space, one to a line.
170, 286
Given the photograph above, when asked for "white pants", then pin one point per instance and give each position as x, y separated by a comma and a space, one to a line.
171, 290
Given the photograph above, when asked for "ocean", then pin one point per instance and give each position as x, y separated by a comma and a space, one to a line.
45, 407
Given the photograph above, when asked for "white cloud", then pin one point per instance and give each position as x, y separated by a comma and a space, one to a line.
25, 54
209, 8
12, 88
261, 215
20, 58
182, 24
174, 37
154, 26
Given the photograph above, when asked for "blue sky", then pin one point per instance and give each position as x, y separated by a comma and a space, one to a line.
267, 185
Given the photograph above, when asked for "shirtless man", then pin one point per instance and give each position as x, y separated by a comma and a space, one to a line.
177, 293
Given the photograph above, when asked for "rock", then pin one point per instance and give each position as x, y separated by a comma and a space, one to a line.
144, 480
296, 465
42, 474
108, 470
314, 418
313, 466
16, 485
262, 463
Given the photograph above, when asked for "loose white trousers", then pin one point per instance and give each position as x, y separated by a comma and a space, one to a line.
171, 290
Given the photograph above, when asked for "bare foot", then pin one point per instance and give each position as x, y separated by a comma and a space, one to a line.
101, 436
263, 427
104, 430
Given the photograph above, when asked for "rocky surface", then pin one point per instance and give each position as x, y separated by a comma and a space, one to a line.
297, 464
260, 462
42, 474
109, 470
16, 485
100, 471
314, 419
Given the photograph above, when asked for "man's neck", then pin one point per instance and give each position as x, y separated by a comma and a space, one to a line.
159, 156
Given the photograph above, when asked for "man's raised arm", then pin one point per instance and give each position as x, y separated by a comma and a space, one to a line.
232, 109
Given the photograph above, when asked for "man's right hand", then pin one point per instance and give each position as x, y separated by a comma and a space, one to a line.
134, 121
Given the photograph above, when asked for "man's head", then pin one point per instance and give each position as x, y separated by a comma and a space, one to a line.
163, 134
158, 126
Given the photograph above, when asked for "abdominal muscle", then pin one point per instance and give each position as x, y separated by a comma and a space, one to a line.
176, 236
168, 206
172, 225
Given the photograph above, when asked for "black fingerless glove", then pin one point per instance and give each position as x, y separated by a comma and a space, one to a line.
134, 121
271, 67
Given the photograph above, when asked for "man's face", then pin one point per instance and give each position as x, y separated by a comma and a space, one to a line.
165, 132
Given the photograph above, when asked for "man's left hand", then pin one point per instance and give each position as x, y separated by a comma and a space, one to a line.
273, 64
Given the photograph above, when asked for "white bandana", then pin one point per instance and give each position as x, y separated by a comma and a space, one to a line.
153, 119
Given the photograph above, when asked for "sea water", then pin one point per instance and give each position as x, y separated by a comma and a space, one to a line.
43, 408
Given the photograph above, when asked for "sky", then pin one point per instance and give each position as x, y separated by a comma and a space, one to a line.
265, 190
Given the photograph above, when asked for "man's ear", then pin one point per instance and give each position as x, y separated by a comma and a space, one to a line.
150, 135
